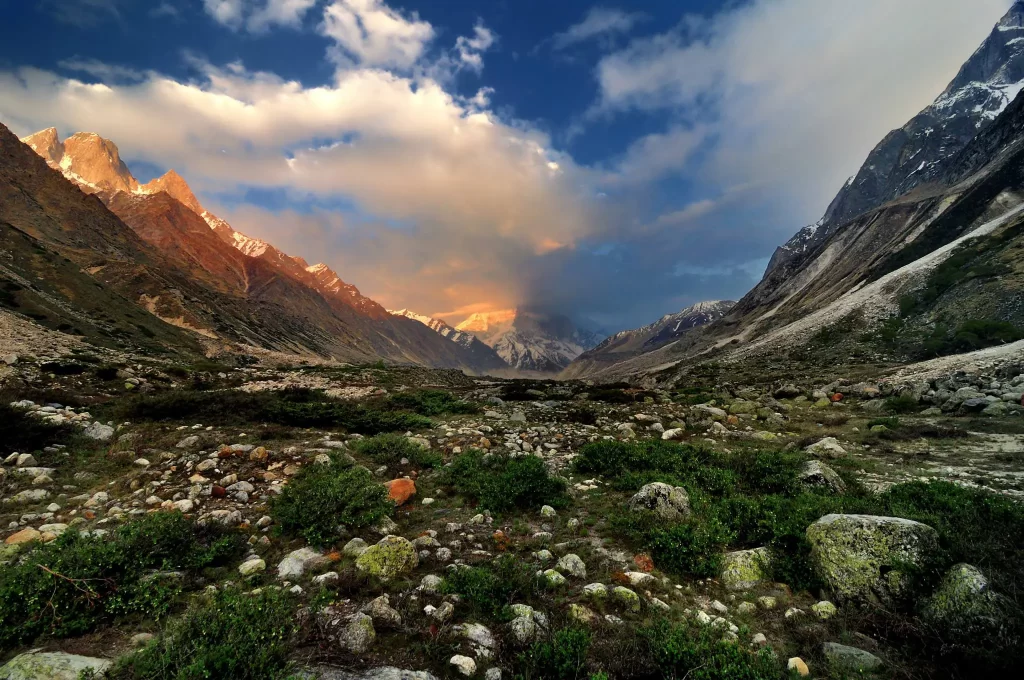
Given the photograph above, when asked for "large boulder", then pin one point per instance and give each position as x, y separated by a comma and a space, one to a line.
388, 559
968, 613
826, 448
817, 475
862, 558
298, 562
38, 665
667, 502
744, 569
844, 660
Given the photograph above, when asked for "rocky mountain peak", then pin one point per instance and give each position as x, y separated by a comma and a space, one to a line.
175, 185
96, 163
47, 144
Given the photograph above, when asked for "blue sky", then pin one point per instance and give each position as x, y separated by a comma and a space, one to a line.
616, 161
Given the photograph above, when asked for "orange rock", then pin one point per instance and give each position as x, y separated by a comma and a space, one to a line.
23, 536
838, 396
733, 420
644, 563
401, 490
258, 454
88, 514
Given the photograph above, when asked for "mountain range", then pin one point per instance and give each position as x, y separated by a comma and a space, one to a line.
919, 253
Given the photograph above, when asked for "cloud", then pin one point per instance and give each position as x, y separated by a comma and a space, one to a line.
794, 93
82, 13
599, 22
451, 185
369, 33
655, 155
257, 16
101, 70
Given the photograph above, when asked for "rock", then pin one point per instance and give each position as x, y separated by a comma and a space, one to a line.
816, 474
355, 547
26, 535
463, 664
298, 562
627, 598
401, 490
382, 613
843, 659
746, 608
744, 569
188, 442
667, 502
358, 635
788, 391
826, 448
388, 559
859, 557
797, 665
572, 565
99, 432
253, 566
480, 637
824, 610
10, 359
29, 496
596, 591
996, 409
523, 629
553, 578
968, 612
580, 614
548, 511
518, 417
379, 673
142, 639
37, 665
430, 584
26, 460
673, 434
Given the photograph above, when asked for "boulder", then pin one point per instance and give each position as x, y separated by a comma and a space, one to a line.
38, 665
969, 613
26, 535
388, 559
744, 569
826, 448
788, 391
358, 635
382, 613
843, 660
815, 474
99, 432
298, 562
667, 502
401, 490
572, 565
861, 557
463, 664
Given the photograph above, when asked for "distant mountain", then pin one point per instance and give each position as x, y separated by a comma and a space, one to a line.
531, 341
483, 354
630, 343
919, 152
228, 286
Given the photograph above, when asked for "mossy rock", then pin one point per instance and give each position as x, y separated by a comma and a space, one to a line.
867, 559
970, 614
744, 569
37, 665
391, 557
627, 598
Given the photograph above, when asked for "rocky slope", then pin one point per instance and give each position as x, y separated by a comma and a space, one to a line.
227, 286
531, 341
626, 344
920, 151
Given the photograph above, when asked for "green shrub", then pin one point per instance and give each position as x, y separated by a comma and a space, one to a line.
610, 396
390, 449
904, 403
432, 403
66, 587
321, 498
229, 635
63, 368
106, 373
563, 657
692, 547
21, 432
502, 483
490, 589
699, 653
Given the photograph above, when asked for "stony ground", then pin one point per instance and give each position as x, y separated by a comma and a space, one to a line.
966, 428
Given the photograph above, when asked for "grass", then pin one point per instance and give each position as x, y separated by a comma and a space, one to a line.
431, 403
322, 498
563, 657
292, 407
228, 635
490, 589
501, 483
390, 449
72, 584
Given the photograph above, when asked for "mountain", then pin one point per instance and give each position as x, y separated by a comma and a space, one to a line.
530, 341
666, 330
919, 152
483, 354
191, 269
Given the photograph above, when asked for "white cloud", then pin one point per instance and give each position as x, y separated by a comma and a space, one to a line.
470, 49
369, 33
654, 155
797, 91
474, 195
258, 15
599, 22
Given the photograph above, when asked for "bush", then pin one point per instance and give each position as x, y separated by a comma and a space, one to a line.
491, 588
693, 547
229, 635
66, 587
561, 658
502, 483
610, 396
699, 653
390, 449
902, 404
21, 432
432, 403
322, 497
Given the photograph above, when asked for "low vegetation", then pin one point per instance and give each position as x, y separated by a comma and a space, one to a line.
501, 483
490, 589
322, 498
391, 449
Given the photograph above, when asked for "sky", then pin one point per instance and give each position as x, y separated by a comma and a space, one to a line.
614, 161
